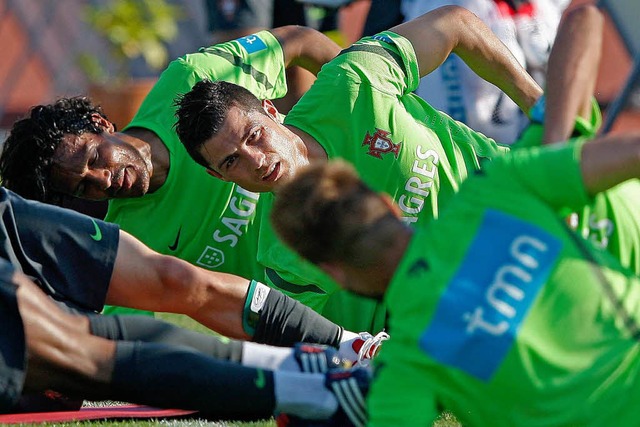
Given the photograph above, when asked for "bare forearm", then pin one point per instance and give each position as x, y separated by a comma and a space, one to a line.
605, 165
146, 280
305, 47
490, 59
572, 72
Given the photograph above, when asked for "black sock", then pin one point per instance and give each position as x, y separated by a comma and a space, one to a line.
284, 321
178, 377
148, 329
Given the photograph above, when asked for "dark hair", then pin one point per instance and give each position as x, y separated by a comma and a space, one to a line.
202, 111
27, 153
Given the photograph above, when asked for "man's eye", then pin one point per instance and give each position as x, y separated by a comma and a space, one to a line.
255, 134
93, 159
229, 161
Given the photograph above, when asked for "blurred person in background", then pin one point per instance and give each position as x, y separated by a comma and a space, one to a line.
527, 28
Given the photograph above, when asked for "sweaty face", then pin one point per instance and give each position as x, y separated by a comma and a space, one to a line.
254, 151
104, 166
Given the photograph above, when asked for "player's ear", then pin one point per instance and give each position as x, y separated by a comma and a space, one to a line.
215, 174
102, 122
270, 108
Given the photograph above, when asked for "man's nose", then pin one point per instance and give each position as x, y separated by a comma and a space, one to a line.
101, 178
256, 157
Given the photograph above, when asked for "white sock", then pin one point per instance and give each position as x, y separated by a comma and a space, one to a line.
346, 350
303, 395
268, 357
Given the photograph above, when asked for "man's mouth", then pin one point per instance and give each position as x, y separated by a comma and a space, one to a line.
127, 179
123, 183
273, 173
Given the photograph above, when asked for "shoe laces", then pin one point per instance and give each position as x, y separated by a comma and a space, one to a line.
370, 347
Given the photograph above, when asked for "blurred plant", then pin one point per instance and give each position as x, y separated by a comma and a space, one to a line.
133, 28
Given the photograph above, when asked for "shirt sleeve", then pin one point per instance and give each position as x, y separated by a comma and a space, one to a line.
255, 62
550, 173
362, 83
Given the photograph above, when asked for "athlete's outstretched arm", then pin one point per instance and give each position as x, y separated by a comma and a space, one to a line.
604, 166
572, 72
147, 280
305, 47
150, 281
452, 29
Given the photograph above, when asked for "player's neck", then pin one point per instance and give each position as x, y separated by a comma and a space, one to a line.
314, 149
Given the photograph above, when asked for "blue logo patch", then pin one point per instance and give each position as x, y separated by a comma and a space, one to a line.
252, 43
479, 315
383, 37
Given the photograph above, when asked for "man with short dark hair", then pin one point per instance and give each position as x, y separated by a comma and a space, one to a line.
362, 109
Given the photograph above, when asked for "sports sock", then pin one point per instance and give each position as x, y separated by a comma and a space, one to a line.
283, 321
269, 357
148, 329
179, 377
303, 395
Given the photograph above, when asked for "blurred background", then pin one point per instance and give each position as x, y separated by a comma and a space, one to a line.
50, 49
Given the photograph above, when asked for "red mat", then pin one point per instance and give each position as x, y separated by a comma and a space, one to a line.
95, 413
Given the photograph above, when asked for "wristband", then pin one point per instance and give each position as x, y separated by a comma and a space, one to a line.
253, 304
536, 113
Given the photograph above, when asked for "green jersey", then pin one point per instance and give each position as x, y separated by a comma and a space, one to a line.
362, 108
504, 315
599, 221
203, 220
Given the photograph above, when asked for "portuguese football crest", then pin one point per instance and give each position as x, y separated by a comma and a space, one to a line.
379, 143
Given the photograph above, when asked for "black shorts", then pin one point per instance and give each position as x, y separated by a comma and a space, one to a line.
70, 256
12, 342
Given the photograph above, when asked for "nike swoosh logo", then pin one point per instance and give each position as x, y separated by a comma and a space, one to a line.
97, 236
260, 381
175, 243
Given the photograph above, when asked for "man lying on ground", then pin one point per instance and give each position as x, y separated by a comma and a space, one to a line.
45, 348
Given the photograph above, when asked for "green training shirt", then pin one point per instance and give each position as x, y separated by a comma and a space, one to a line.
201, 219
504, 316
598, 221
362, 108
